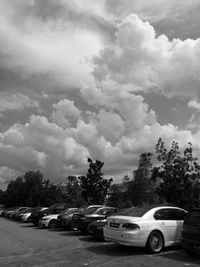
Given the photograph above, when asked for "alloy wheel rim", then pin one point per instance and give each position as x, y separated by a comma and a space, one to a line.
156, 242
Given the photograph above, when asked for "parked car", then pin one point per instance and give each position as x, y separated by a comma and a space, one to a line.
96, 228
2, 209
147, 226
64, 219
77, 216
14, 212
190, 239
49, 221
53, 209
24, 217
99, 214
7, 211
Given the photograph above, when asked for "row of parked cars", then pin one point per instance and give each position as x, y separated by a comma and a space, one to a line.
153, 227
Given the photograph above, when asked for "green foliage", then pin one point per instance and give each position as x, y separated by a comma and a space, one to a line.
119, 195
141, 189
180, 175
94, 186
74, 192
31, 190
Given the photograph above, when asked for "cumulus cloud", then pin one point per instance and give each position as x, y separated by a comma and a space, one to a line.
66, 113
35, 40
16, 102
140, 60
113, 62
194, 104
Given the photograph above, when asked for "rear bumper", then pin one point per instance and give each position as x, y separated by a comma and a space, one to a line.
125, 238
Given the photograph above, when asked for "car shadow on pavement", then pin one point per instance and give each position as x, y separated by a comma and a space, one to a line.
57, 230
180, 255
111, 249
71, 233
92, 239
27, 225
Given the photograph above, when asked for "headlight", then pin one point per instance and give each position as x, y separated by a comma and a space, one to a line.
131, 226
102, 220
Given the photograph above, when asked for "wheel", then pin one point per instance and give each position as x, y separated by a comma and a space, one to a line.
155, 242
52, 224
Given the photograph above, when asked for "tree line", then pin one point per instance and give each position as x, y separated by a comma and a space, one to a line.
174, 179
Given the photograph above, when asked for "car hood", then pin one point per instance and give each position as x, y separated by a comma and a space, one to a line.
52, 216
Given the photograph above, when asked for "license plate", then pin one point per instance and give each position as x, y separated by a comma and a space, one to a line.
114, 225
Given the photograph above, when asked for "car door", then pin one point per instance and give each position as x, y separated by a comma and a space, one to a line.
167, 224
178, 215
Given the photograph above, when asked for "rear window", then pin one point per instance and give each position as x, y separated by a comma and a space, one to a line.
193, 217
134, 212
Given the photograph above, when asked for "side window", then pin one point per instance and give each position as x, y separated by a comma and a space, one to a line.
163, 214
179, 214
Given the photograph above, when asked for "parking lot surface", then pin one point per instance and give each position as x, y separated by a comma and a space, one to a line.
24, 245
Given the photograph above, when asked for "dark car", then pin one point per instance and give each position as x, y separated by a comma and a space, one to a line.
54, 209
6, 211
191, 232
99, 214
64, 219
96, 228
76, 218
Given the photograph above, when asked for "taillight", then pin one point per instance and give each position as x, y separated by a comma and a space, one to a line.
131, 226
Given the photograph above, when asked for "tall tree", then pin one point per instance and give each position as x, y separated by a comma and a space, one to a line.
74, 192
141, 188
180, 175
94, 186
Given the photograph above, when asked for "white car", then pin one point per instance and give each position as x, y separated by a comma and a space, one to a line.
25, 216
49, 221
153, 228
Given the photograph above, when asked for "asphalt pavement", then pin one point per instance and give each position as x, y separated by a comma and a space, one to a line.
25, 245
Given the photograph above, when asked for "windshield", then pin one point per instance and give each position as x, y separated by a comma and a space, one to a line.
68, 211
52, 207
90, 210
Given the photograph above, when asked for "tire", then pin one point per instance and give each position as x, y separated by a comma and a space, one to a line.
155, 242
52, 224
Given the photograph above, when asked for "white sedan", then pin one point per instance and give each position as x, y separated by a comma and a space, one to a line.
147, 226
49, 221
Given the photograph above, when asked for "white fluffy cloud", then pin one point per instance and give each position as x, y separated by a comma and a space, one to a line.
141, 61
44, 44
112, 59
16, 102
65, 114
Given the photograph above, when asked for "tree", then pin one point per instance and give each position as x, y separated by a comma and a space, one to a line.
119, 194
74, 192
141, 189
31, 190
180, 175
94, 186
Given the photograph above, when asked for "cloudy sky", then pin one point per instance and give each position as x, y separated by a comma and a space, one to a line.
95, 78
